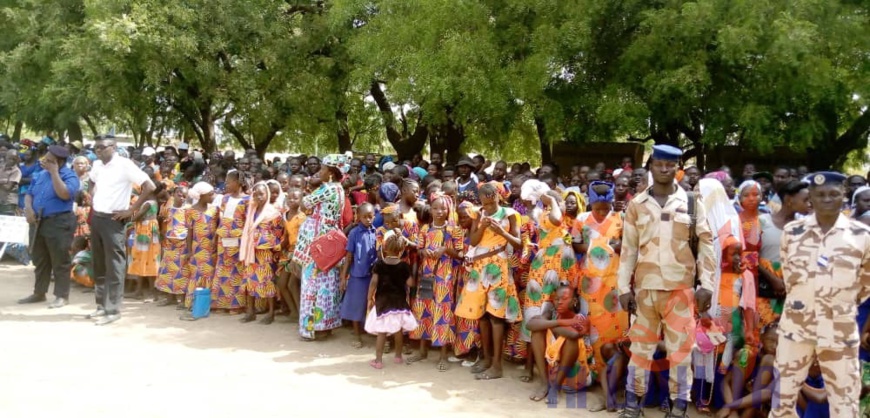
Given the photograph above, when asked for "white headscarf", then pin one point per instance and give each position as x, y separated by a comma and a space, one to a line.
533, 189
198, 190
724, 222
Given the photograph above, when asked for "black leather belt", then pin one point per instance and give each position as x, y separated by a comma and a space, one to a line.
54, 215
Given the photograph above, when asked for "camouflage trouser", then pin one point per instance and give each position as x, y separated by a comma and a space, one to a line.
840, 369
670, 312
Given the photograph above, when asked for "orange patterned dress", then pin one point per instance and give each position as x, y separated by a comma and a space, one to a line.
598, 287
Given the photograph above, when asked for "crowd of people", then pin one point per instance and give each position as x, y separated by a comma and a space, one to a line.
665, 285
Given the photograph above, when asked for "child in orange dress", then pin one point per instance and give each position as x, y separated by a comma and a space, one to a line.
290, 275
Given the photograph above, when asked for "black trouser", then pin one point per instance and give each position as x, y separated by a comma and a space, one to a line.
109, 250
50, 253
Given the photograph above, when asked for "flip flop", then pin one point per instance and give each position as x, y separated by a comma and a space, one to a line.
442, 366
485, 376
526, 378
376, 364
415, 358
398, 360
478, 368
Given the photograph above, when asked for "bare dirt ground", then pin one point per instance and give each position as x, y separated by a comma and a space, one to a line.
151, 364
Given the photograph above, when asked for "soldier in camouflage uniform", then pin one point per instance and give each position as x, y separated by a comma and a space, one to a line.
826, 257
655, 248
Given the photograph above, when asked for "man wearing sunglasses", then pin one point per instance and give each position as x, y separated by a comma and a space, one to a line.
112, 179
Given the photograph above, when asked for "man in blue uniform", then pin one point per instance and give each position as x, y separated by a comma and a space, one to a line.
48, 207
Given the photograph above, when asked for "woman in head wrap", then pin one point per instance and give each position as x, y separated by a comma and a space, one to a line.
575, 204
320, 297
202, 220
260, 243
227, 290
749, 197
726, 181
727, 244
82, 165
598, 236
490, 292
172, 278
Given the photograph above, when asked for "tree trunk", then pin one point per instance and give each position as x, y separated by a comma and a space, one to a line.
91, 125
344, 142
74, 131
207, 128
546, 151
16, 134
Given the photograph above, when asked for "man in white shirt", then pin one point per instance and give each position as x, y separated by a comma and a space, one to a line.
112, 179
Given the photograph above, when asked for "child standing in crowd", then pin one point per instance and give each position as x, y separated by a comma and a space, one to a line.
226, 290
439, 242
288, 278
172, 277
202, 223
144, 257
83, 212
261, 240
356, 271
388, 310
467, 331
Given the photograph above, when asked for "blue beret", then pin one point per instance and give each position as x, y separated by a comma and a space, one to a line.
666, 153
59, 151
822, 178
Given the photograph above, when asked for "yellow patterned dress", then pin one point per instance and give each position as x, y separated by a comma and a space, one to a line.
144, 255
203, 251
554, 261
172, 277
598, 286
490, 286
226, 288
259, 279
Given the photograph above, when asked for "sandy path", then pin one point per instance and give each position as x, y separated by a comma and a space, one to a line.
150, 364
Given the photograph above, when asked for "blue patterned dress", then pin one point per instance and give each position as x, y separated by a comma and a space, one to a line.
320, 297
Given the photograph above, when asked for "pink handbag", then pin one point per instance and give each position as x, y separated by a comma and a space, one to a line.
328, 249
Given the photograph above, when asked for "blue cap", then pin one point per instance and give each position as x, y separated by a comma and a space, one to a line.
822, 178
666, 153
59, 151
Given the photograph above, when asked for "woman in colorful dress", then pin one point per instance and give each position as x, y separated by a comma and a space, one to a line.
144, 255
260, 244
439, 243
320, 297
598, 235
724, 311
202, 221
226, 289
554, 262
490, 292
172, 277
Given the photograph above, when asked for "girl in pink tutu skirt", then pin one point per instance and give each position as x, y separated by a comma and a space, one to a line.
388, 308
